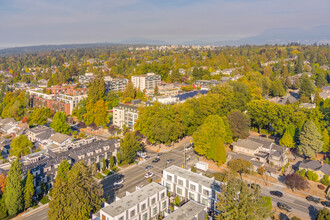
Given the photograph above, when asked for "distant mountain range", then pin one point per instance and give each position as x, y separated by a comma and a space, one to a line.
319, 35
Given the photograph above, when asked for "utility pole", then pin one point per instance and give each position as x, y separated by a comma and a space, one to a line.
184, 157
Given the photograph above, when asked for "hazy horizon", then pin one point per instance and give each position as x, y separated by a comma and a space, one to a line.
43, 22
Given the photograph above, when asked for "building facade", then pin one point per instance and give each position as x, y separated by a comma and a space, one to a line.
116, 85
126, 114
148, 81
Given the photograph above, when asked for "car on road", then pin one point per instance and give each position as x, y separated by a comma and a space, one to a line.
148, 175
148, 167
189, 148
169, 161
254, 186
117, 186
118, 177
313, 199
284, 206
159, 155
276, 193
155, 160
119, 181
326, 203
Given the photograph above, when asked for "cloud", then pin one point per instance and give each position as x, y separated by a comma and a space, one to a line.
77, 21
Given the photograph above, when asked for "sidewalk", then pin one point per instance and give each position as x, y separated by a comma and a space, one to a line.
30, 212
162, 149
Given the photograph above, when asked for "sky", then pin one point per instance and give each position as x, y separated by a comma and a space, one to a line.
37, 22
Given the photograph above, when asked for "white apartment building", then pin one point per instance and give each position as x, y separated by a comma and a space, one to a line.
192, 186
146, 203
69, 99
189, 211
148, 81
126, 114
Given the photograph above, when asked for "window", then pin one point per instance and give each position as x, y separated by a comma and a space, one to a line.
162, 195
169, 178
206, 192
205, 202
180, 182
153, 201
192, 187
179, 191
132, 213
145, 216
168, 186
143, 207
164, 205
154, 211
191, 196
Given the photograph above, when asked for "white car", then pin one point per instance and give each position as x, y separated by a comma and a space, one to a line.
148, 175
120, 181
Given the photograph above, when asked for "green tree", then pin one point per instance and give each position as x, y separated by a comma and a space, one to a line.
101, 113
20, 146
59, 123
62, 171
239, 124
321, 80
240, 166
213, 127
326, 141
3, 208
111, 162
156, 91
39, 116
310, 139
312, 175
129, 147
325, 180
317, 99
113, 98
287, 140
277, 88
96, 89
104, 164
238, 201
76, 197
299, 68
28, 190
13, 195
306, 86
129, 93
323, 214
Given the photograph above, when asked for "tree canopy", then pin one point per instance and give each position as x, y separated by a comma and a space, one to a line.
129, 147
59, 123
20, 146
310, 140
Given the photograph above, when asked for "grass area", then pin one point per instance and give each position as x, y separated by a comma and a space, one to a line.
107, 172
99, 176
44, 200
115, 169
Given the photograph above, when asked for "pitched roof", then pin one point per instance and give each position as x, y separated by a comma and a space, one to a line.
310, 164
247, 143
59, 138
45, 134
187, 212
325, 169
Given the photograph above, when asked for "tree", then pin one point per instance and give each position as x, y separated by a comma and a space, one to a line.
96, 89
2, 183
239, 124
156, 91
299, 65
111, 162
206, 138
39, 116
321, 80
62, 171
14, 188
129, 93
296, 82
306, 86
287, 140
295, 181
28, 190
240, 166
3, 208
312, 175
238, 201
59, 123
129, 147
310, 139
325, 180
20, 146
76, 197
317, 99
276, 88
217, 151
326, 141
323, 214
101, 113
104, 164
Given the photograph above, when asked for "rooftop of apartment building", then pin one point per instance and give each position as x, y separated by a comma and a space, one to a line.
134, 104
133, 199
187, 211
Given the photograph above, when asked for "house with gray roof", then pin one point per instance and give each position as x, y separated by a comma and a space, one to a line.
148, 202
320, 168
189, 211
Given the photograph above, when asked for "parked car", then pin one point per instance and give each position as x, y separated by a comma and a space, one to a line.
254, 186
276, 193
148, 175
326, 203
119, 181
118, 177
313, 199
148, 167
169, 161
159, 155
284, 206
189, 148
155, 160
117, 186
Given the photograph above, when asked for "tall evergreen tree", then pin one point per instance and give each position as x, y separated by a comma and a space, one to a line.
129, 147
129, 93
299, 68
59, 123
156, 91
14, 188
62, 171
306, 86
321, 80
310, 139
287, 140
28, 190
326, 141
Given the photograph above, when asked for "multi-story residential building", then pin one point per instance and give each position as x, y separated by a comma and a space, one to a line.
148, 81
126, 114
205, 84
117, 84
192, 186
189, 211
167, 89
67, 90
71, 100
148, 202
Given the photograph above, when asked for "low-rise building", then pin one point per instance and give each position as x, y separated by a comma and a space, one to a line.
320, 168
192, 186
206, 83
145, 203
189, 211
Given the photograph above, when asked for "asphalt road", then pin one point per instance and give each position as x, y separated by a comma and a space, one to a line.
134, 177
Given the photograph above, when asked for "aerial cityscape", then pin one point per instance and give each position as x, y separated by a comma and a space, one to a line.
176, 110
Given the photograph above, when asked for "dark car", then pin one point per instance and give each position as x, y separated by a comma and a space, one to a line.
156, 160
326, 203
119, 177
284, 207
117, 186
254, 186
148, 167
313, 199
169, 161
276, 193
